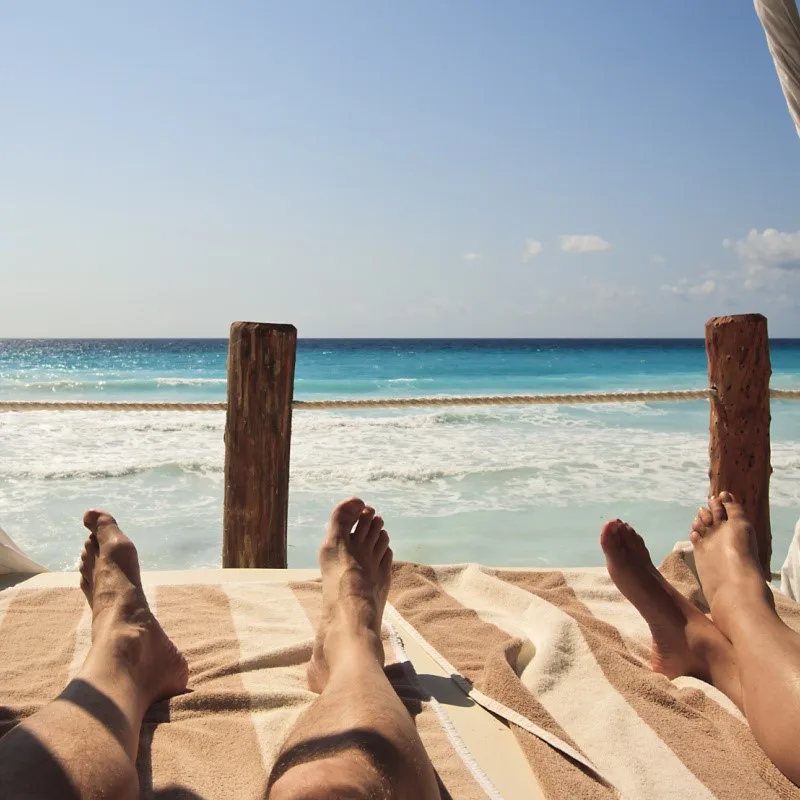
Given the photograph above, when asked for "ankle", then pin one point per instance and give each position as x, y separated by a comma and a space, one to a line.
116, 678
345, 643
743, 595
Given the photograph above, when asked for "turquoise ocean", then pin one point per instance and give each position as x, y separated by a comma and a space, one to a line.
499, 485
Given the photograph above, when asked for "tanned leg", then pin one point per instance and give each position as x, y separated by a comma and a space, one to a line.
84, 744
685, 641
357, 740
767, 651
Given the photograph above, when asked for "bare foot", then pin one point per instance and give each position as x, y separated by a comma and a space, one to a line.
356, 572
682, 635
726, 556
121, 618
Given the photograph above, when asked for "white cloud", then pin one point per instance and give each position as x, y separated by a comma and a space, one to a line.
471, 256
758, 277
770, 248
658, 260
533, 248
584, 243
767, 257
685, 289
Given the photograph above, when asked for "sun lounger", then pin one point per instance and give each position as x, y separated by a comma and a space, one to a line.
13, 560
523, 683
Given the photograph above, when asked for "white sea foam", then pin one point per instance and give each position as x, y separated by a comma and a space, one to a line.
88, 382
529, 453
191, 381
164, 469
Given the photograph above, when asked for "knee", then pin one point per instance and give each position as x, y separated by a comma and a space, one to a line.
340, 777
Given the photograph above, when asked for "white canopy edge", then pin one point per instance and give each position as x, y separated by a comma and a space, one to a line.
13, 560
781, 22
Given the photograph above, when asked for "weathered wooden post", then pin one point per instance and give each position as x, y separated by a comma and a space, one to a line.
261, 359
739, 369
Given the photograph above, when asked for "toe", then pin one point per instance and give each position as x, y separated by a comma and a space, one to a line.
629, 532
699, 527
364, 524
732, 508
634, 542
617, 537
96, 518
88, 555
386, 561
381, 545
717, 510
705, 516
612, 538
345, 514
375, 528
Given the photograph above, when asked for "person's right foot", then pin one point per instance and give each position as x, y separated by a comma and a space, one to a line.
726, 555
682, 635
356, 567
122, 624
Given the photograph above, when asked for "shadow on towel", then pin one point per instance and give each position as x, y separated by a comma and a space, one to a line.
8, 721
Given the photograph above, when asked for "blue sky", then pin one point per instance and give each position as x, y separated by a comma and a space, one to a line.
423, 168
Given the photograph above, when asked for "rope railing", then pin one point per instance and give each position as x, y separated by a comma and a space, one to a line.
396, 402
511, 400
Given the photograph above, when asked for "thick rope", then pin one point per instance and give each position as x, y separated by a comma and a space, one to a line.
784, 394
511, 400
394, 402
398, 402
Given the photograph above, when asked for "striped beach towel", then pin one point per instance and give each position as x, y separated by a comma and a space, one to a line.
247, 645
564, 658
558, 655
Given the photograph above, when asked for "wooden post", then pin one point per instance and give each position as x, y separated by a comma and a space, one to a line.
739, 369
261, 359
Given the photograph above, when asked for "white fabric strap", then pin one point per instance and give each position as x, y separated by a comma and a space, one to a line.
469, 761
790, 571
781, 23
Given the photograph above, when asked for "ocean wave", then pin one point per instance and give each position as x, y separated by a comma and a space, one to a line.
372, 474
631, 409
192, 381
454, 458
319, 421
108, 383
408, 475
163, 469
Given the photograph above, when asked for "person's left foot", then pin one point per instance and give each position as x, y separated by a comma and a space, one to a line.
682, 634
121, 618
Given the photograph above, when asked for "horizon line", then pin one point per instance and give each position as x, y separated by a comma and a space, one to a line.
373, 338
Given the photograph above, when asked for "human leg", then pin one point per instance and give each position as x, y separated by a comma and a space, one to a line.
685, 641
767, 650
84, 743
357, 740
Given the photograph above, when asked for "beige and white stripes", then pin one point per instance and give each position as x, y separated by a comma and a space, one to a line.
558, 654
562, 650
247, 644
